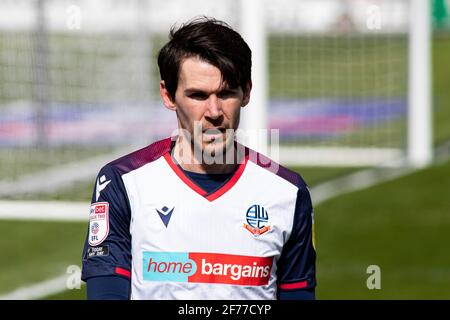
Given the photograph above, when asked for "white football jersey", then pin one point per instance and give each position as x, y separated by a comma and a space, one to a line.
153, 225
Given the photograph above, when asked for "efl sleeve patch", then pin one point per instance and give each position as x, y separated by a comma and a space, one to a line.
98, 223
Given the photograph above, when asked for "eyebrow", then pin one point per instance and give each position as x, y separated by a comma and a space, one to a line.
189, 91
193, 90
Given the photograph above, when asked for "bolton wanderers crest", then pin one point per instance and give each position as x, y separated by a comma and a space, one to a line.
257, 219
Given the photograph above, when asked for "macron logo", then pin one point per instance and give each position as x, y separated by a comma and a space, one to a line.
101, 184
165, 215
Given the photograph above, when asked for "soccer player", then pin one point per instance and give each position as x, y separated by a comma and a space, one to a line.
198, 215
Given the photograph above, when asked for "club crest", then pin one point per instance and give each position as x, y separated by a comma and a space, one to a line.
257, 219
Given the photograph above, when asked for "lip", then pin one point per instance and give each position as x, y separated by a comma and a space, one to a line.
213, 131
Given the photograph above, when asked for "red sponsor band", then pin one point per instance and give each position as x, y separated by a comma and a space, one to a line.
231, 269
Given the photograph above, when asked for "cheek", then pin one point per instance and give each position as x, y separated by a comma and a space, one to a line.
189, 113
233, 115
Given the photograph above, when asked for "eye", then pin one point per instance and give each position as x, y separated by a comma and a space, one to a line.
198, 96
225, 94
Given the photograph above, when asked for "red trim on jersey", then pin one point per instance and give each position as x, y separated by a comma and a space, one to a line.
219, 192
294, 285
230, 183
183, 177
123, 272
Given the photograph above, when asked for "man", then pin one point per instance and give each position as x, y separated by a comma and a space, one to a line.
198, 215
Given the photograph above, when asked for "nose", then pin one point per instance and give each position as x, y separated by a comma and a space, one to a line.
214, 108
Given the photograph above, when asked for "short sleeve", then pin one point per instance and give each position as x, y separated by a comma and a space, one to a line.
107, 248
296, 268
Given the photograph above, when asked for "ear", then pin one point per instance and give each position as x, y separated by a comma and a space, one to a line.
165, 96
246, 98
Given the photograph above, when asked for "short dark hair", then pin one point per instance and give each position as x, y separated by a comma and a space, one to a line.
211, 40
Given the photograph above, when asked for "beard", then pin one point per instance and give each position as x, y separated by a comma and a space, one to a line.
215, 146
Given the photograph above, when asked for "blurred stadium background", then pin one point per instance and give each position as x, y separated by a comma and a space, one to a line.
79, 86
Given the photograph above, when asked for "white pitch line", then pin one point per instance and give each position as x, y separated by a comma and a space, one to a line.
56, 178
44, 210
39, 290
370, 177
356, 181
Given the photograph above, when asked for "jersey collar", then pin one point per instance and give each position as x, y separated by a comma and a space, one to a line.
215, 194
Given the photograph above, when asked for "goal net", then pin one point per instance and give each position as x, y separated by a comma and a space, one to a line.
79, 78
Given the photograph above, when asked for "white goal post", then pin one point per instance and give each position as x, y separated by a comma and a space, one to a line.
420, 152
417, 149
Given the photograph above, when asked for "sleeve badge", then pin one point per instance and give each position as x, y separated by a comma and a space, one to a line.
98, 223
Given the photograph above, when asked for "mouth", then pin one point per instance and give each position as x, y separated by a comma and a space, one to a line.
214, 131
213, 134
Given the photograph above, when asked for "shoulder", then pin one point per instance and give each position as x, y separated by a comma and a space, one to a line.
275, 169
139, 158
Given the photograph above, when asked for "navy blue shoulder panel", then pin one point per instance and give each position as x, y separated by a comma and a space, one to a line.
272, 166
142, 156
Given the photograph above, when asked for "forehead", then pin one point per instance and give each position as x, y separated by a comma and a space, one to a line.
199, 74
